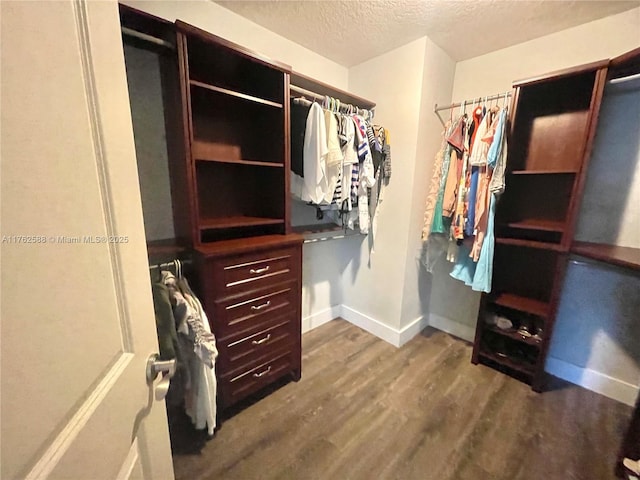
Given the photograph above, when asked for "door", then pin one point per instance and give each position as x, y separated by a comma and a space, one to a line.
77, 315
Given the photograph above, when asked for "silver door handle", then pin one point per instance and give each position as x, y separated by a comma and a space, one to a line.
156, 366
259, 270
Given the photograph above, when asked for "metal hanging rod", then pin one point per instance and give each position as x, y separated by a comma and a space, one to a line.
317, 96
624, 79
438, 108
147, 38
334, 237
160, 266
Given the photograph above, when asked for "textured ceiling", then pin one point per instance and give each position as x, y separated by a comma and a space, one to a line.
350, 32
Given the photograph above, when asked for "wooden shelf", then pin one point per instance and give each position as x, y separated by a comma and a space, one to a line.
513, 334
544, 172
621, 256
233, 93
241, 162
539, 224
236, 221
523, 304
204, 151
530, 244
508, 362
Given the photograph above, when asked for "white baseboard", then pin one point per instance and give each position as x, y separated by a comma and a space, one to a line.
413, 329
320, 318
371, 325
592, 380
456, 329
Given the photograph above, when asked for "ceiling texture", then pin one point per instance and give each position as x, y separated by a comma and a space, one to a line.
351, 32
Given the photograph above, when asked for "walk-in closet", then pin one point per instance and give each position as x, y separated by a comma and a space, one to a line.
320, 240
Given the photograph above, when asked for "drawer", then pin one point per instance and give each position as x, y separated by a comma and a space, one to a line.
237, 351
242, 273
242, 313
244, 382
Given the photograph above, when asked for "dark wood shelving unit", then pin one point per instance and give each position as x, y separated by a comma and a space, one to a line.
223, 192
552, 125
233, 93
523, 304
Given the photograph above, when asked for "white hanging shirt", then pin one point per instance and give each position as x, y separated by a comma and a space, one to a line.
311, 188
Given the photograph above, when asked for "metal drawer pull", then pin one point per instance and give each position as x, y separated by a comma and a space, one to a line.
265, 339
260, 307
259, 270
262, 374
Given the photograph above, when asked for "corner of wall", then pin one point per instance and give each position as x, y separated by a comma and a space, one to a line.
436, 87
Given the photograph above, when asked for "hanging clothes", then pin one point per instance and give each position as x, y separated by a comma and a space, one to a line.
299, 111
469, 171
312, 186
431, 213
198, 349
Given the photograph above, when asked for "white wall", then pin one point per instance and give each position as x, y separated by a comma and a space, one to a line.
373, 281
457, 305
437, 84
597, 40
321, 274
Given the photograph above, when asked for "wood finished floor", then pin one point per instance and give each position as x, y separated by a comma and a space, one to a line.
366, 410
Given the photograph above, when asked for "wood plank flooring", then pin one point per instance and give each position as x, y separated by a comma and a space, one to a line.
366, 410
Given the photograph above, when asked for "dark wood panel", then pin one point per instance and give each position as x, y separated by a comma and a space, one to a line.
555, 141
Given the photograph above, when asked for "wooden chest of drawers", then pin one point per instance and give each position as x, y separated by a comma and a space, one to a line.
251, 290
